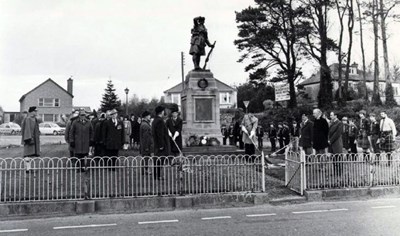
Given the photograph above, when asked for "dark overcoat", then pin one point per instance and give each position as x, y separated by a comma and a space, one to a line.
320, 134
306, 135
82, 135
68, 131
113, 134
175, 126
335, 137
160, 137
30, 132
146, 140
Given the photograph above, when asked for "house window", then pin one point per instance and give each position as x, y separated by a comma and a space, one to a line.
49, 102
225, 98
176, 98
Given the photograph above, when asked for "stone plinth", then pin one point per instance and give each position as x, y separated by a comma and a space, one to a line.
200, 106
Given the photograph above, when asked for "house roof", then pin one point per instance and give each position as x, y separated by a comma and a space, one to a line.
220, 85
315, 78
48, 80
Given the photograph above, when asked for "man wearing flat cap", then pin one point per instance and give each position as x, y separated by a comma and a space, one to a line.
30, 136
174, 126
146, 140
113, 134
160, 140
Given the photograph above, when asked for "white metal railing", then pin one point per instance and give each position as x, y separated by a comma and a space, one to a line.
328, 171
47, 179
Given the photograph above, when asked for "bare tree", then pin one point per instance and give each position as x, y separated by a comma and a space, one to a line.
376, 100
364, 70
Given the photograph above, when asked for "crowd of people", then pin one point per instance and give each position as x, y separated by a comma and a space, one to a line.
318, 134
89, 135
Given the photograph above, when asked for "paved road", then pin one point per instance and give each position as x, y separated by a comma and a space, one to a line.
374, 217
6, 140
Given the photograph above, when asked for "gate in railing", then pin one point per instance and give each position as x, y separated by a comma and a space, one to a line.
329, 171
47, 179
294, 171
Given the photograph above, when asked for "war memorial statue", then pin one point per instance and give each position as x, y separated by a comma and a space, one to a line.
199, 41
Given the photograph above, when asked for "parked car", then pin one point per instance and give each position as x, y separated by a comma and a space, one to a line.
10, 128
51, 128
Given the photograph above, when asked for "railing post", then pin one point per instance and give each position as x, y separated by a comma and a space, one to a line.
85, 179
263, 172
303, 171
286, 167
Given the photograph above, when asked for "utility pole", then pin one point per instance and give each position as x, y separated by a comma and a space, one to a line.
183, 72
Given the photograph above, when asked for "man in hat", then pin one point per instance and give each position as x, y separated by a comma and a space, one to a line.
335, 142
113, 134
30, 136
81, 137
388, 134
98, 136
146, 140
174, 126
160, 139
74, 115
364, 132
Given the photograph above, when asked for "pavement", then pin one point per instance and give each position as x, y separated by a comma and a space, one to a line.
371, 217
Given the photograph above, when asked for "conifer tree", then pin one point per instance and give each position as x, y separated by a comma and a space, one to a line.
110, 99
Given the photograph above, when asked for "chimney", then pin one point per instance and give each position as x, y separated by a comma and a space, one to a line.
69, 86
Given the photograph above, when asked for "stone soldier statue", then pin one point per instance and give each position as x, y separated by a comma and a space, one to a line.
199, 41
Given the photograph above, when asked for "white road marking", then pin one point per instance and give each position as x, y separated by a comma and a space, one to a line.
382, 207
158, 221
13, 230
84, 226
261, 215
319, 211
216, 218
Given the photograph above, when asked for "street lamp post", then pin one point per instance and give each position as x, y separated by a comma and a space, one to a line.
126, 104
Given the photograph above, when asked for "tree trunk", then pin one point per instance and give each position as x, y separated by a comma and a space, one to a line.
350, 27
364, 81
325, 91
340, 16
384, 42
376, 96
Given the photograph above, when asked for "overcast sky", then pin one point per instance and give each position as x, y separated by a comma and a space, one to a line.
136, 43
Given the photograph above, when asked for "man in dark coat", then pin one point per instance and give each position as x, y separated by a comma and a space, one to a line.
260, 136
306, 135
160, 139
279, 135
72, 118
336, 143
320, 132
231, 135
174, 126
286, 133
113, 134
146, 140
30, 137
99, 148
353, 132
375, 130
272, 136
224, 132
81, 137
364, 130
